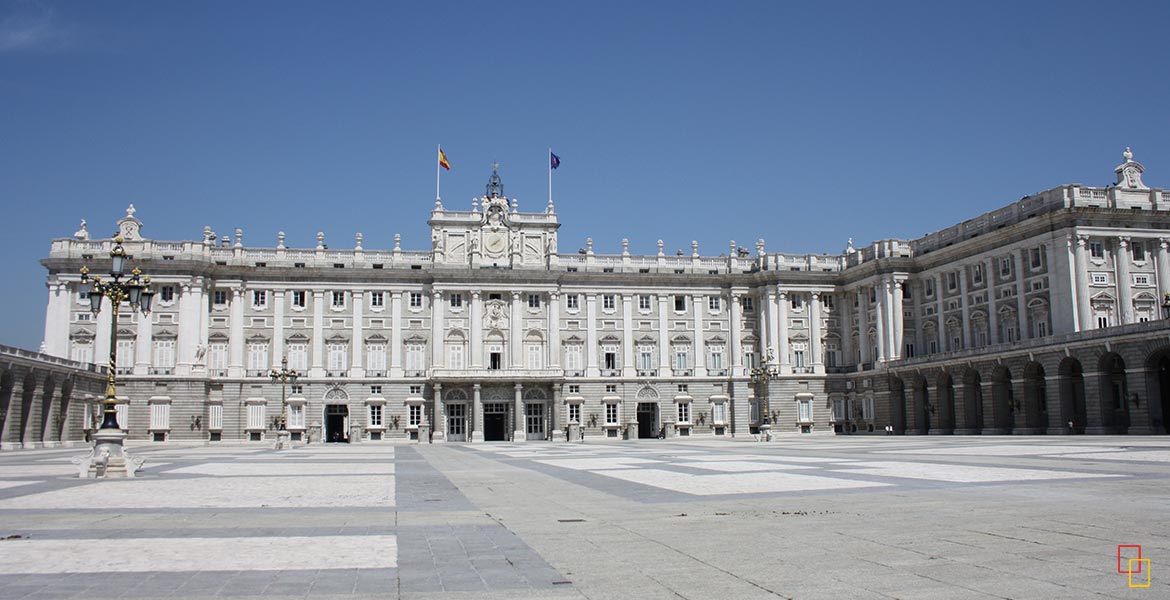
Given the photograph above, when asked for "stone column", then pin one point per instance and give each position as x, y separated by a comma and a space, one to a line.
437, 329
516, 334
554, 330
780, 331
1163, 270
188, 341
992, 316
1124, 284
57, 320
277, 328
700, 343
236, 341
736, 334
966, 308
628, 336
919, 340
1084, 309
519, 432
898, 328
879, 319
663, 338
317, 361
814, 310
1020, 298
396, 369
356, 342
591, 369
864, 347
766, 318
143, 344
476, 413
940, 314
555, 418
475, 324
439, 433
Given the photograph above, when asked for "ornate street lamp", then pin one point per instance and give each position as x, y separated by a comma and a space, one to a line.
108, 457
284, 376
760, 377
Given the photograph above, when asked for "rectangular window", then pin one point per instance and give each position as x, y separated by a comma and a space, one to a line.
416, 300
298, 357
258, 357
164, 354
160, 416
376, 299
977, 273
611, 388
455, 355
644, 302
338, 299
715, 357
375, 415
574, 413
747, 303
680, 303
296, 416
259, 298
797, 302
535, 356
456, 300
713, 303
533, 300
611, 414
798, 358
337, 357
167, 293
376, 390
827, 299
682, 358
573, 302
573, 357
298, 298
749, 356
1139, 251
574, 389
415, 415
1096, 250
1141, 279
1036, 257
607, 302
930, 288
611, 361
1100, 278
376, 357
952, 280
215, 417
217, 357
82, 353
645, 358
219, 297
867, 409
1005, 267
684, 412
719, 413
805, 410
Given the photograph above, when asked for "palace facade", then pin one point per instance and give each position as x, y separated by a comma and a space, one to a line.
1021, 320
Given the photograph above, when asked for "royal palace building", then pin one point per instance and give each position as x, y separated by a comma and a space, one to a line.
1043, 316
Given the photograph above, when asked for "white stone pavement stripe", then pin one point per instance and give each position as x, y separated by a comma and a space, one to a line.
221, 492
959, 473
738, 483
299, 468
198, 554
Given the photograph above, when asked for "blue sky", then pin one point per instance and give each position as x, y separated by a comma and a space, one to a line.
801, 123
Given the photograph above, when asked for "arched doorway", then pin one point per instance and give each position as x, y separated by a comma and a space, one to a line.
1035, 399
946, 403
1003, 401
898, 404
647, 413
922, 406
1114, 393
336, 416
1158, 391
972, 403
1072, 395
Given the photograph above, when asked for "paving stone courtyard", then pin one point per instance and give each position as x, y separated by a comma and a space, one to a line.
811, 517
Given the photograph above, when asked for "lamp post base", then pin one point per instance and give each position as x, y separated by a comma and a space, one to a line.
283, 440
766, 432
107, 458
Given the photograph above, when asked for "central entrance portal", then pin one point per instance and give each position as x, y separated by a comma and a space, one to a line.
534, 417
337, 423
495, 422
457, 422
647, 420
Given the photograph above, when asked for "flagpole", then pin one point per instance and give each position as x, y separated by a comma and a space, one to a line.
438, 151
550, 175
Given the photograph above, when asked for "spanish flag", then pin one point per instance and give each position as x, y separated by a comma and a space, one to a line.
443, 159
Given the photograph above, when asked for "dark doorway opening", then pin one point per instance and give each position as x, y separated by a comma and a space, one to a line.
1163, 420
495, 423
647, 420
336, 423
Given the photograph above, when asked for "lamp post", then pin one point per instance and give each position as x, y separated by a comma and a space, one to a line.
108, 458
284, 376
760, 377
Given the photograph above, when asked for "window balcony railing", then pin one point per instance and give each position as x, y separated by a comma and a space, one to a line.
683, 372
257, 373
648, 373
611, 372
717, 372
161, 371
